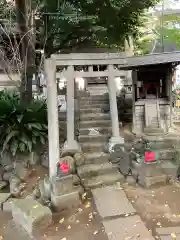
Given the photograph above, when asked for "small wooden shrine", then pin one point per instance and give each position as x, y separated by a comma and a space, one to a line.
152, 90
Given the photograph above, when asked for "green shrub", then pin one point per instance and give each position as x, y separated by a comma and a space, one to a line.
23, 129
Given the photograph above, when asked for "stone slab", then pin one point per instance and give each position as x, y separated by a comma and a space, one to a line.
3, 198
166, 233
111, 201
127, 228
31, 215
7, 205
66, 201
164, 237
14, 231
168, 230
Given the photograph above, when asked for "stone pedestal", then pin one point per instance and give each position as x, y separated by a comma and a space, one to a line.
151, 174
65, 192
65, 201
70, 148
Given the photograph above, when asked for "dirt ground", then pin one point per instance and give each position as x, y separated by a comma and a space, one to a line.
80, 224
158, 207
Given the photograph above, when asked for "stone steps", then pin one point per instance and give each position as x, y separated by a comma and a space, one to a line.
94, 105
153, 130
96, 97
92, 170
95, 116
102, 130
102, 180
93, 101
93, 147
93, 138
96, 158
97, 170
95, 123
90, 110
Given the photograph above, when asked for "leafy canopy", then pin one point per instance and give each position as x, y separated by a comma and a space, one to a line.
155, 29
71, 23
104, 22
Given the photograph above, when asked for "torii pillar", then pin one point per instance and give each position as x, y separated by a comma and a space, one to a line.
116, 138
53, 121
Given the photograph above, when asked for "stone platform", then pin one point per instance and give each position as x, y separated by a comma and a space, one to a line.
118, 215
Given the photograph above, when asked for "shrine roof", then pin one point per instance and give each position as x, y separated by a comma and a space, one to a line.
153, 59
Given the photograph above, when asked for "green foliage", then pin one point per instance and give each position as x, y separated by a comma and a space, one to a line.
101, 22
22, 129
171, 30
104, 23
6, 10
152, 32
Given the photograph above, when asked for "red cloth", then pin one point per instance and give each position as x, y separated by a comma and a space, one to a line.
149, 157
151, 85
64, 167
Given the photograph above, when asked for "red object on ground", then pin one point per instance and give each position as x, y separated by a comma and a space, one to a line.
64, 167
149, 157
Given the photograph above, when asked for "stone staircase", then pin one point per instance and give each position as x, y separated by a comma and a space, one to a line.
94, 132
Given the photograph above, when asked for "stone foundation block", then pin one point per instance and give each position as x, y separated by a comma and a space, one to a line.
63, 185
166, 154
177, 156
163, 144
31, 215
66, 201
169, 169
3, 198
7, 206
151, 181
150, 170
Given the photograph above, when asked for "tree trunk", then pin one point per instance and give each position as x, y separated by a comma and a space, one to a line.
27, 52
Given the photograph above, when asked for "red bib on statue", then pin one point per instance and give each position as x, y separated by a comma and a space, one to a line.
149, 157
64, 167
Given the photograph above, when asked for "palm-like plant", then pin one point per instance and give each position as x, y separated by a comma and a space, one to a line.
22, 129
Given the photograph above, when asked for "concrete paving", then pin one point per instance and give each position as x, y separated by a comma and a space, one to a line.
117, 214
168, 233
111, 201
169, 237
127, 228
15, 232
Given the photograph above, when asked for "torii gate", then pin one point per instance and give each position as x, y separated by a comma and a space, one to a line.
70, 61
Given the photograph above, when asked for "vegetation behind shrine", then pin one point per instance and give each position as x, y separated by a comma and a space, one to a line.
22, 129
